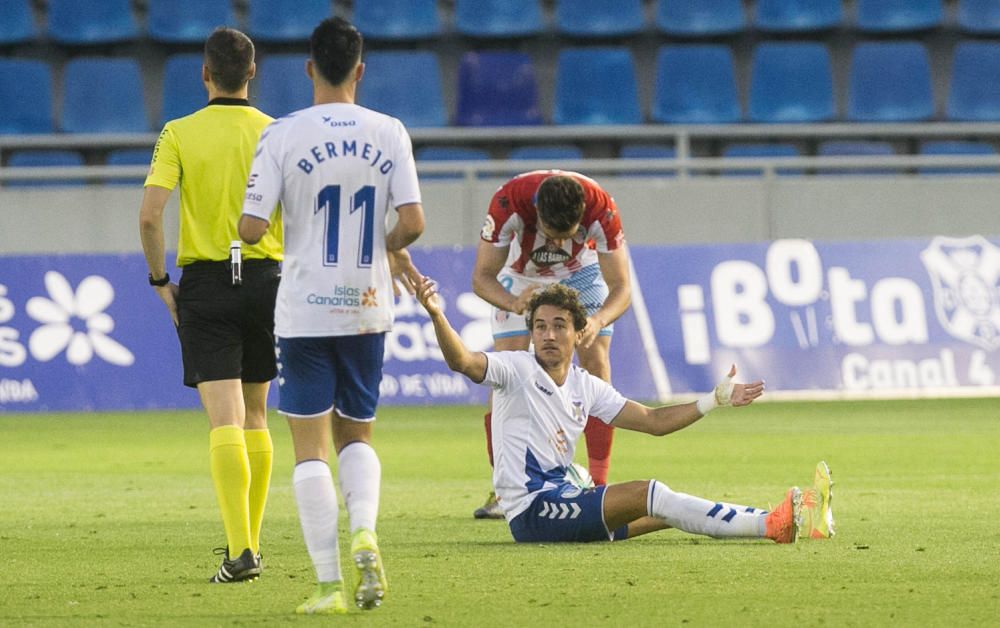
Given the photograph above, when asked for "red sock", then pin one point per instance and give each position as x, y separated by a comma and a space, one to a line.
599, 436
488, 423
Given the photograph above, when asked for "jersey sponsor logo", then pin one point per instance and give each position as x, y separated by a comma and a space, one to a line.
327, 120
549, 255
965, 277
368, 299
341, 296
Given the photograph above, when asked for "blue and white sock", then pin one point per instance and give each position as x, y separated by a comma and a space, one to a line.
701, 516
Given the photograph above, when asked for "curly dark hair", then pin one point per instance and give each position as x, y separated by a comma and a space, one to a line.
562, 297
335, 47
229, 55
560, 202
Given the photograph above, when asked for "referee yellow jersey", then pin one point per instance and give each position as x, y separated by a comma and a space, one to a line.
209, 153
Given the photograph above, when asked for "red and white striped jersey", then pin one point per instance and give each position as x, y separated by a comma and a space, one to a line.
512, 220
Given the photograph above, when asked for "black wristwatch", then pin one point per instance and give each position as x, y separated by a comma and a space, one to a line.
159, 283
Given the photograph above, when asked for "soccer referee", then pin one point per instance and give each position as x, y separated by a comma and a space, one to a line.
223, 307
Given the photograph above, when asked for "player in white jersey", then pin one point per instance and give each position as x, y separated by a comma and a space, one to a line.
541, 402
337, 169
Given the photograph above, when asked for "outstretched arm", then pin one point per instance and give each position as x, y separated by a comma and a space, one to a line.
667, 419
456, 354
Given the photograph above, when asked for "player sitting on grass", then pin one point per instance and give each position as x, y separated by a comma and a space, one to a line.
541, 402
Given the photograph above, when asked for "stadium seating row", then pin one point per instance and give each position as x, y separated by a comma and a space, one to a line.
694, 83
567, 152
72, 22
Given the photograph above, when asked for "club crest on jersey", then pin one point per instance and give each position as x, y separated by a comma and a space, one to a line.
578, 414
965, 276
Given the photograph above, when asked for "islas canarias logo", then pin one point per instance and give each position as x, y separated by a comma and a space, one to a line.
74, 321
965, 275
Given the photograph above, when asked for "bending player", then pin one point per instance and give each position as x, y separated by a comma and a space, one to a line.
547, 227
540, 403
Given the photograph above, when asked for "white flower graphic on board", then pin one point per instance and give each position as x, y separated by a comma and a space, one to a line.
85, 308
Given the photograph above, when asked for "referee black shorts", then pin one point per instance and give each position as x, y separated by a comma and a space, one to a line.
227, 331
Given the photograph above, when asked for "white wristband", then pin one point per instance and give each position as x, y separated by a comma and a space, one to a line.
720, 396
707, 403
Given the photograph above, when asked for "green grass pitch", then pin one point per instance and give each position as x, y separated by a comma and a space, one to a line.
109, 519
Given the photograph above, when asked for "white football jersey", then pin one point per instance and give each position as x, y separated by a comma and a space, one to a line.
536, 424
336, 169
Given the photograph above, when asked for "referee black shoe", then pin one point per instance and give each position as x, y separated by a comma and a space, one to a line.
241, 569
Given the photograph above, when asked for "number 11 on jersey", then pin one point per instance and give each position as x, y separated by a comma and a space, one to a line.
328, 202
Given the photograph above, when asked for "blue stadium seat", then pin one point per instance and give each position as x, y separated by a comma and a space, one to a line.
975, 82
981, 17
894, 16
890, 82
44, 159
599, 18
449, 153
285, 20
550, 152
791, 82
99, 96
617, 99
18, 23
183, 90
498, 18
93, 22
397, 19
855, 148
759, 150
700, 18
949, 147
406, 85
187, 21
129, 157
648, 151
282, 85
695, 84
25, 96
797, 16
497, 89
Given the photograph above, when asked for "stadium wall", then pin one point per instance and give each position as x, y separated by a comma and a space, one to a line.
655, 210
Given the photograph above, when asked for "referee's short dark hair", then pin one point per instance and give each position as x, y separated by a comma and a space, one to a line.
335, 48
229, 55
560, 202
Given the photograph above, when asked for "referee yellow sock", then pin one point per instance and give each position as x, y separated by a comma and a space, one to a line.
260, 451
231, 476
